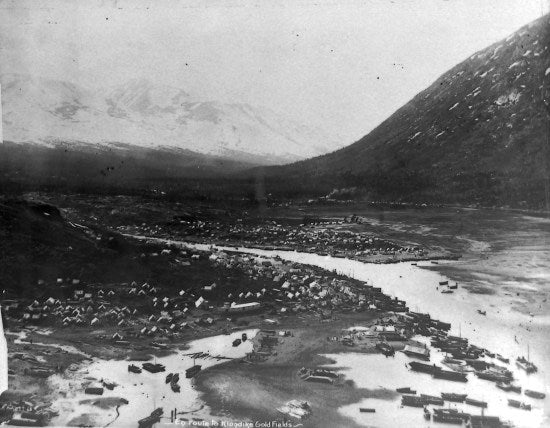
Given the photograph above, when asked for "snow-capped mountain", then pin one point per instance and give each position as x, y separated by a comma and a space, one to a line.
142, 114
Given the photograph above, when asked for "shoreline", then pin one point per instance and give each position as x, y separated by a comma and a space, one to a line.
278, 379
275, 381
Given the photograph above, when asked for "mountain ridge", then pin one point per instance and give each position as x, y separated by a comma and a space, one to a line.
140, 113
477, 134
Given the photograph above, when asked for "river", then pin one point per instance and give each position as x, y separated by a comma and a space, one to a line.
145, 391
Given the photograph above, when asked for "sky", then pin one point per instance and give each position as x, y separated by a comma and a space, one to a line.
342, 65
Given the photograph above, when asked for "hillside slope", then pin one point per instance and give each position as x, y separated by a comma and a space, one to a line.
143, 114
479, 134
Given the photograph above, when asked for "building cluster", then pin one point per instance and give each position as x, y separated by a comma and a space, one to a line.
137, 310
320, 237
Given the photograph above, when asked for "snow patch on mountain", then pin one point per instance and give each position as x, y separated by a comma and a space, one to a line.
143, 114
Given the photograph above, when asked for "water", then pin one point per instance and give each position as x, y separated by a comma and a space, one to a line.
508, 253
503, 330
145, 391
373, 372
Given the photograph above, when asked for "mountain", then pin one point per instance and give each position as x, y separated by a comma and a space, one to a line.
142, 114
479, 134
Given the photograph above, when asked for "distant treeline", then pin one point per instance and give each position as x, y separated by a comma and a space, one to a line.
184, 176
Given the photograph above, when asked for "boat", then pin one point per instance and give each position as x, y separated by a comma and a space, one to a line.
509, 387
432, 399
134, 369
237, 342
524, 364
454, 287
169, 377
443, 282
417, 352
480, 312
93, 391
150, 420
427, 414
424, 368
319, 379
244, 337
535, 394
153, 368
191, 372
492, 376
450, 375
413, 401
109, 385
447, 418
175, 387
366, 410
484, 421
451, 416
385, 348
518, 404
447, 291
455, 398
514, 403
476, 403
406, 390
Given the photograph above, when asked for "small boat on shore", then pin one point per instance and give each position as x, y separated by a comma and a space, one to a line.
455, 398
424, 368
450, 375
450, 416
518, 404
93, 391
385, 348
535, 394
150, 420
237, 342
134, 369
509, 387
524, 364
431, 399
427, 414
413, 401
169, 377
417, 352
493, 376
406, 390
109, 385
446, 418
447, 291
476, 403
153, 368
366, 410
191, 372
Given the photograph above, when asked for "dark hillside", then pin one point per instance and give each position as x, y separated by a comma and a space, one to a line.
479, 134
